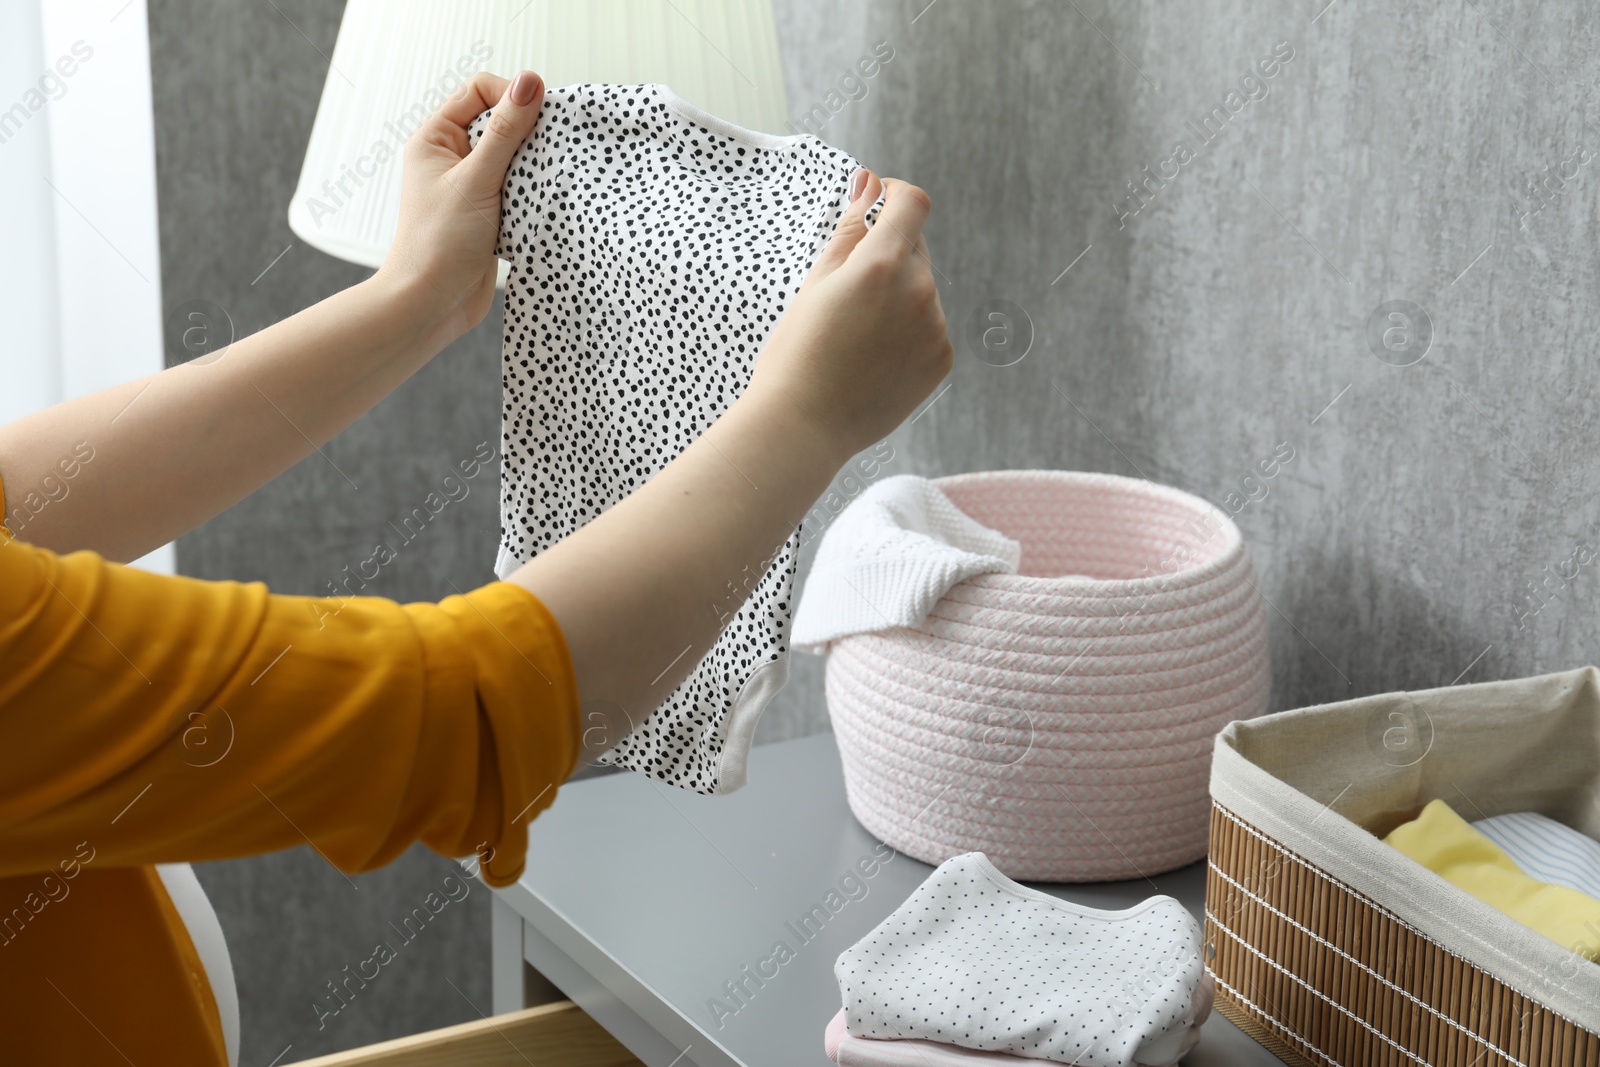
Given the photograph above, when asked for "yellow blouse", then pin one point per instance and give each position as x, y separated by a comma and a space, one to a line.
150, 718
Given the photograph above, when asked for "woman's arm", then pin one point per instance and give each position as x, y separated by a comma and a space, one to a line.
212, 719
174, 448
642, 590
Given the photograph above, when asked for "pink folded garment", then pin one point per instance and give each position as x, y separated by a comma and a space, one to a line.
849, 1051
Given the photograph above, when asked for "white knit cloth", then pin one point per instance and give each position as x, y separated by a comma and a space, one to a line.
889, 557
974, 959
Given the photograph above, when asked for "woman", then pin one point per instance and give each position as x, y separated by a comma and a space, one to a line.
361, 725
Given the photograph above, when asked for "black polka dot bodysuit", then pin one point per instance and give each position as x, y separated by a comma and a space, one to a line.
652, 249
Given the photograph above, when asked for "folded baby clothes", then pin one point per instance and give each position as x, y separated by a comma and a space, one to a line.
1547, 850
652, 249
889, 557
975, 960
1446, 844
849, 1051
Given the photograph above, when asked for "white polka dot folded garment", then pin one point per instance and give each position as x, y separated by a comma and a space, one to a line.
652, 249
976, 960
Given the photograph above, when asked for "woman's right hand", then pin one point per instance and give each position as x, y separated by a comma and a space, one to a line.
864, 341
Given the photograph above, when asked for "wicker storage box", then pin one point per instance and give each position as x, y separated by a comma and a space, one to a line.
1059, 719
1332, 948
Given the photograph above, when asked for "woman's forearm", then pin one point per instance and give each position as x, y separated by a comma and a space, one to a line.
644, 589
169, 451
174, 448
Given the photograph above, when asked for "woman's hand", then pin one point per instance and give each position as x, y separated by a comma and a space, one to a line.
864, 341
442, 257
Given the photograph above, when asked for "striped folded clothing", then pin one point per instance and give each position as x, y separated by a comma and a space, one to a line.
1547, 850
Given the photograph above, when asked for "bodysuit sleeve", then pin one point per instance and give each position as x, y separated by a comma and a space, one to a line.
164, 718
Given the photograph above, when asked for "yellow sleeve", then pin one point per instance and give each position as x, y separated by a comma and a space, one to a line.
163, 718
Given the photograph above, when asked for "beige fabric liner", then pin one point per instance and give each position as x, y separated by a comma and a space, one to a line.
1318, 779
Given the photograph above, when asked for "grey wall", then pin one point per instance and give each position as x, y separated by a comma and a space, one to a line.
1387, 161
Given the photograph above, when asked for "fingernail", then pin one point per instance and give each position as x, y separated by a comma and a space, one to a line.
858, 183
523, 88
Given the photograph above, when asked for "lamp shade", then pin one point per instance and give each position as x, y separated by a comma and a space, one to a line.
395, 61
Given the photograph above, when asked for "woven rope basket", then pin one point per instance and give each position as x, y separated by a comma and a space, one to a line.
1059, 719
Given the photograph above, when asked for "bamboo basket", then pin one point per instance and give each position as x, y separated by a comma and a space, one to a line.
1333, 949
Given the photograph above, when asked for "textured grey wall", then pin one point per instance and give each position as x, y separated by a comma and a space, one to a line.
1217, 317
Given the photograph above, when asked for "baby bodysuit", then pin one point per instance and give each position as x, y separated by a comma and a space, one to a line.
972, 958
652, 249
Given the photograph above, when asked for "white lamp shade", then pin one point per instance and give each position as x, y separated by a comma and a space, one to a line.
395, 61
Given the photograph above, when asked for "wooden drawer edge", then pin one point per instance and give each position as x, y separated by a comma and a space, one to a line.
550, 1035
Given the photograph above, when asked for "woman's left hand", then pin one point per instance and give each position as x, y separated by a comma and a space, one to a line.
443, 251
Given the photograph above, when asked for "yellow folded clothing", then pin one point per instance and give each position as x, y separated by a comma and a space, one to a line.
1446, 844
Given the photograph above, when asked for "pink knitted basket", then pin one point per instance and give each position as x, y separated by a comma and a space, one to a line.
1059, 719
